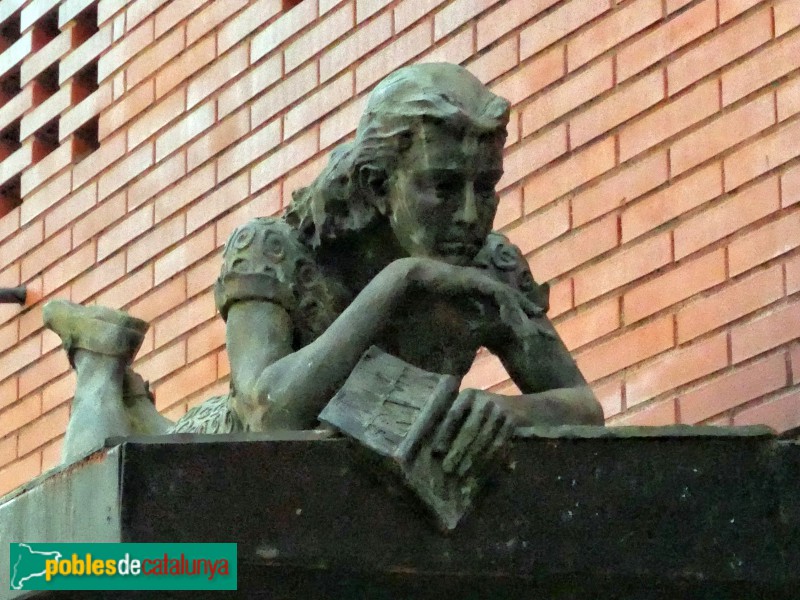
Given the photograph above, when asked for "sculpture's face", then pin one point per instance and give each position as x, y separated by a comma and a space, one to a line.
442, 196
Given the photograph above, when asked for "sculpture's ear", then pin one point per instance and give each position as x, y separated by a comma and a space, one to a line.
373, 182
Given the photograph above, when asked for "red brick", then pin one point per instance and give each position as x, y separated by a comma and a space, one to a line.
190, 126
622, 268
155, 119
727, 217
179, 258
350, 49
661, 412
8, 392
534, 76
185, 318
185, 65
456, 14
455, 49
533, 154
127, 289
185, 192
730, 8
43, 429
21, 243
609, 394
564, 98
124, 50
628, 348
20, 356
20, 472
9, 223
160, 364
249, 149
216, 13
793, 275
408, 12
558, 24
33, 12
51, 454
671, 202
590, 324
85, 54
174, 13
619, 107
220, 137
9, 336
210, 338
576, 249
155, 181
788, 99
761, 69
364, 8
730, 303
781, 413
578, 169
287, 157
8, 449
677, 368
315, 40
160, 301
59, 391
666, 39
790, 187
495, 62
318, 105
541, 228
98, 218
131, 105
342, 123
762, 155
719, 51
401, 50
98, 278
124, 171
722, 133
768, 241
35, 63
794, 352
255, 82
262, 204
191, 379
69, 210
48, 110
678, 284
787, 16
767, 331
130, 228
509, 208
13, 108
45, 197
139, 10
508, 16
486, 371
302, 177
610, 31
622, 187
14, 54
733, 389
21, 159
223, 70
699, 103
68, 268
83, 112
160, 238
280, 30
222, 199
201, 277
45, 254
98, 161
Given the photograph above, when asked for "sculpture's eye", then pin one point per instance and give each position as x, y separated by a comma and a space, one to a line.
448, 187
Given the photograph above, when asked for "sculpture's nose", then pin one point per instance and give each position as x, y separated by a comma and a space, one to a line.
468, 212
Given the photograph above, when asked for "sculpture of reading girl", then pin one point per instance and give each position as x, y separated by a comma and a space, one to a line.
391, 246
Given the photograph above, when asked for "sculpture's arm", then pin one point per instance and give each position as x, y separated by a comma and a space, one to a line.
277, 388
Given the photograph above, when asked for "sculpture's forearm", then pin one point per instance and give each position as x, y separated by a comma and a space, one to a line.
292, 391
564, 406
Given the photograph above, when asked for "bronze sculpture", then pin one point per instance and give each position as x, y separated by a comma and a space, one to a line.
390, 246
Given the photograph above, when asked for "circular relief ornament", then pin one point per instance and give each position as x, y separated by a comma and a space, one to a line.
274, 248
505, 256
244, 238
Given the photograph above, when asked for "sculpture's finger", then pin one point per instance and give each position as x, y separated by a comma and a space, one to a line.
452, 422
487, 434
466, 435
501, 439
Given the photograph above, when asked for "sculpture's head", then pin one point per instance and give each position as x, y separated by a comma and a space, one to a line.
427, 156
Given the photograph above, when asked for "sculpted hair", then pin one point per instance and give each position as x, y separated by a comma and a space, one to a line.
349, 194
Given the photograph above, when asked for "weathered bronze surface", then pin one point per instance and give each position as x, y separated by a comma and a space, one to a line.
391, 246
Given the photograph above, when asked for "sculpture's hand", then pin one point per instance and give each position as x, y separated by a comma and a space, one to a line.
472, 432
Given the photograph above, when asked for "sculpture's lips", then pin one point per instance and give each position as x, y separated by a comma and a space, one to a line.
460, 247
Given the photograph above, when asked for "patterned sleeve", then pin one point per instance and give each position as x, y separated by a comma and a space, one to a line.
505, 261
259, 263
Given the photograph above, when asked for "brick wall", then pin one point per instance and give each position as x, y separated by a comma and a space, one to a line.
652, 175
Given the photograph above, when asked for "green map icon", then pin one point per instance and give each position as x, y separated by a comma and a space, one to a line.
27, 563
